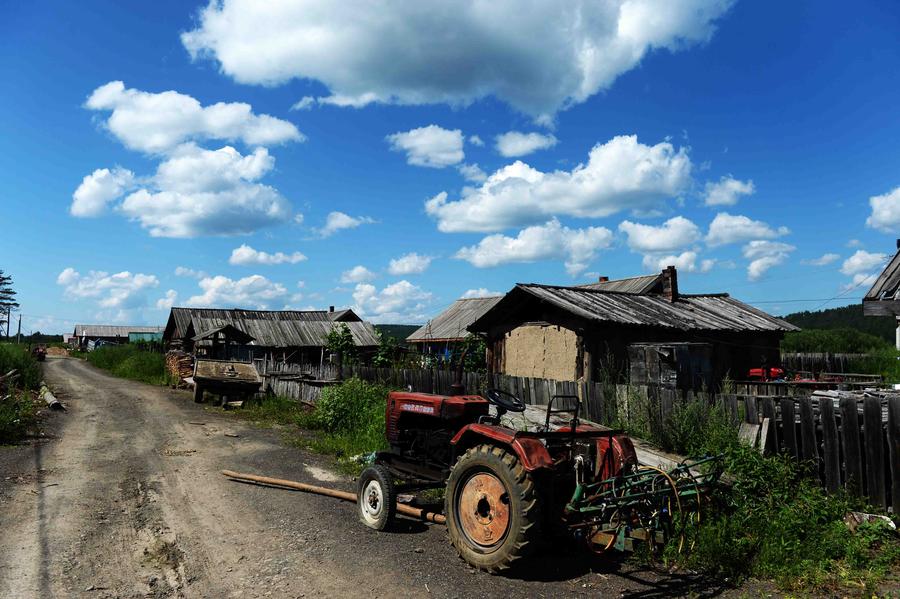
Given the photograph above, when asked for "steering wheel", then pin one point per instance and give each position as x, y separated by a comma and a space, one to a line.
507, 401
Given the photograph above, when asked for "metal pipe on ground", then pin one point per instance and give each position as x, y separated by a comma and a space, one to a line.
406, 510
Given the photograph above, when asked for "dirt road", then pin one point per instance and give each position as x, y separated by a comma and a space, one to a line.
125, 499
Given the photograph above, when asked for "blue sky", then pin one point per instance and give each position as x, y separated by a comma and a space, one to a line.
752, 144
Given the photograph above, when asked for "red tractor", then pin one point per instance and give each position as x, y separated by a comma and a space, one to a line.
503, 488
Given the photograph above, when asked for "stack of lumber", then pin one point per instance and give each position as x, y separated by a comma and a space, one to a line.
180, 364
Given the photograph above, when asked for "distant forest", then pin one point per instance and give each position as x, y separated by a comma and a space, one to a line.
848, 317
398, 331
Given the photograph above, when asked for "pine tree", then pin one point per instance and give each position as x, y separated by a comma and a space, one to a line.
8, 301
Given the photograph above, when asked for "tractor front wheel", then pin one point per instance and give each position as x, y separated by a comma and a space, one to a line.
376, 499
492, 508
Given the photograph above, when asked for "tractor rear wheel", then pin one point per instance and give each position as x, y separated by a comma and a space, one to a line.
492, 508
376, 500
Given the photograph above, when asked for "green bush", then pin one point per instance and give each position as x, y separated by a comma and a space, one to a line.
17, 357
18, 416
348, 421
131, 362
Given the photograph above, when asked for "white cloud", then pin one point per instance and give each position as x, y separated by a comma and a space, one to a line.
198, 192
674, 234
409, 264
862, 261
823, 260
539, 57
167, 301
515, 143
726, 228
621, 174
885, 214
480, 292
123, 290
399, 302
357, 274
254, 291
860, 280
158, 122
183, 271
99, 189
338, 221
476, 141
246, 255
577, 247
472, 172
726, 191
854, 243
764, 255
685, 261
430, 146
305, 103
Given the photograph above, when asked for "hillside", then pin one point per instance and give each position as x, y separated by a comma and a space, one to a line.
847, 317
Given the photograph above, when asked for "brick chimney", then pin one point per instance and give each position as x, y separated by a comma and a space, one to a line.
670, 283
605, 279
331, 308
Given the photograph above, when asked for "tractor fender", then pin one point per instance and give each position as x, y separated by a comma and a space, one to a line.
531, 452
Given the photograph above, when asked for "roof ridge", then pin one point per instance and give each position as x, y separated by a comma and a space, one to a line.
587, 289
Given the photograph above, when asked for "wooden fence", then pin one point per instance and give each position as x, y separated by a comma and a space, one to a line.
821, 361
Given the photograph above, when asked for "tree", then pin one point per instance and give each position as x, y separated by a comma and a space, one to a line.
339, 341
8, 301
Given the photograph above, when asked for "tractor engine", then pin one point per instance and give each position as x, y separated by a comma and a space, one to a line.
421, 425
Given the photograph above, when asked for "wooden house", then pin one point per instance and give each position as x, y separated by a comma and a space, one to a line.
443, 333
594, 331
291, 336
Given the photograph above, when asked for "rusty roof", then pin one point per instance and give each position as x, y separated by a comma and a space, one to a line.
271, 328
712, 312
452, 323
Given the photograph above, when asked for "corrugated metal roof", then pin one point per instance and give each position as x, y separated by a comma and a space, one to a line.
284, 328
452, 323
690, 312
108, 330
637, 285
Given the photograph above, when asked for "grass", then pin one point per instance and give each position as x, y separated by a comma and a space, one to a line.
774, 523
18, 417
16, 357
131, 362
18, 409
881, 357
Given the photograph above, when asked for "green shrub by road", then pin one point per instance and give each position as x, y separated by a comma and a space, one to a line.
18, 409
131, 362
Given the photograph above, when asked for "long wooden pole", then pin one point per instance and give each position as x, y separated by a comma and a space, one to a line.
406, 510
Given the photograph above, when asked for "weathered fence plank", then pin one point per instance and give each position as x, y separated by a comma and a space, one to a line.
768, 411
853, 480
893, 437
874, 451
808, 433
751, 410
830, 445
789, 427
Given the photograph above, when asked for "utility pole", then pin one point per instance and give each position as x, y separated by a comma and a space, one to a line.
19, 331
8, 318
